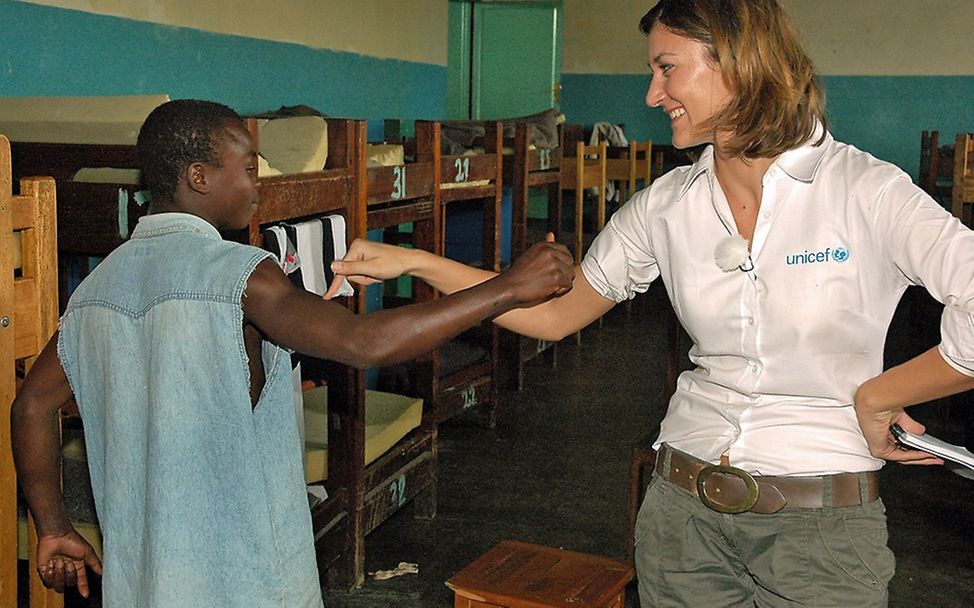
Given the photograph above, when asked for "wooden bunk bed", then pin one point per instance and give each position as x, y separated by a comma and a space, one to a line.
478, 179
470, 184
94, 218
386, 196
529, 167
28, 318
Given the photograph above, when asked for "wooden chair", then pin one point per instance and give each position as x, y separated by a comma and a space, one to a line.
588, 169
962, 190
28, 318
589, 172
936, 166
640, 161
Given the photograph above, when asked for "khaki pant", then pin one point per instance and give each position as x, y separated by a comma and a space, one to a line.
688, 555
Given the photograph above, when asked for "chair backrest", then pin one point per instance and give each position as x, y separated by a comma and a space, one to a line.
640, 164
936, 166
590, 172
962, 193
28, 318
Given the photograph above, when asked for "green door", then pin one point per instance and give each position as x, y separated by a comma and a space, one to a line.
504, 58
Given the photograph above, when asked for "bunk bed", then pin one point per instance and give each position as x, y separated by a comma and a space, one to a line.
469, 375
529, 165
28, 318
470, 190
363, 486
386, 196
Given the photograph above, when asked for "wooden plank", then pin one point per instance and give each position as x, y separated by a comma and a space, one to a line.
62, 161
26, 323
401, 182
26, 319
8, 481
460, 169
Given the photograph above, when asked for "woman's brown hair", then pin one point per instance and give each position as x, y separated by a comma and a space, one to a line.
777, 98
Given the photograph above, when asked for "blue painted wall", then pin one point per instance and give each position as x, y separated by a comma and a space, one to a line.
52, 51
881, 115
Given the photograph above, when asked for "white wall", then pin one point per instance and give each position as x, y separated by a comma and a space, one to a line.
843, 37
411, 30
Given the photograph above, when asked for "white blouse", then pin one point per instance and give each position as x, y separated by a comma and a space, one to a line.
780, 349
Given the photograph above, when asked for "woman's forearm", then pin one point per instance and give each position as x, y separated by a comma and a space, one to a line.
443, 274
551, 320
921, 379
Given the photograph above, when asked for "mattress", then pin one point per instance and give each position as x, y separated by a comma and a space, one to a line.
292, 144
384, 155
388, 418
76, 120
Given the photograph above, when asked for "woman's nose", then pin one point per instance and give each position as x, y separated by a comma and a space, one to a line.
654, 94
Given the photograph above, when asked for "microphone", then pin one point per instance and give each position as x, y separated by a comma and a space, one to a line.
732, 254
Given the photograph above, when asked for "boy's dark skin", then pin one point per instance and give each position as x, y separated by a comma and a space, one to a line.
225, 195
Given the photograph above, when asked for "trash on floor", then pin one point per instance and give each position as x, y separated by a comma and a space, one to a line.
402, 568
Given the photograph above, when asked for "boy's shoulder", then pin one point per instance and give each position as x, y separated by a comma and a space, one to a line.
144, 270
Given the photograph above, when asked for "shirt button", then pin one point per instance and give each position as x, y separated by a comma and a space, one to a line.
750, 320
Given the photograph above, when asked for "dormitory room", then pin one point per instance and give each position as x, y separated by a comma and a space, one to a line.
487, 303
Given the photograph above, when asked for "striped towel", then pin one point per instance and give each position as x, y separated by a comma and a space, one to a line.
305, 251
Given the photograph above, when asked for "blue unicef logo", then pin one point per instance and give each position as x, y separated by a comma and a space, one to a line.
839, 254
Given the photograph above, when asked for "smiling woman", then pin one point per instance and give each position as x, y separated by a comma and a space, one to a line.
750, 55
688, 85
766, 489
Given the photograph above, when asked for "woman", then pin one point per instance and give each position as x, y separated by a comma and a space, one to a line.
784, 254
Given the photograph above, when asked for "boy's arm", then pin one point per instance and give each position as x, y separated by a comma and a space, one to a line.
552, 320
880, 402
324, 329
62, 553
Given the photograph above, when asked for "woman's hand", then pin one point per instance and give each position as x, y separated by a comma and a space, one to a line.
368, 262
875, 427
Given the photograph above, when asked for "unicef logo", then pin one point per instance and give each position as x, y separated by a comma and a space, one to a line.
839, 254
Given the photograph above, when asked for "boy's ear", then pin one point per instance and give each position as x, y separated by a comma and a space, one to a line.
196, 178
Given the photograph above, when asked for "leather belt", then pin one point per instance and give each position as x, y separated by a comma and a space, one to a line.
728, 489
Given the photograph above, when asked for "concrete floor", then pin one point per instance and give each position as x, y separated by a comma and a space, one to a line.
555, 472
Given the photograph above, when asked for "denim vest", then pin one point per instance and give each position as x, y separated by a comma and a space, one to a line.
200, 498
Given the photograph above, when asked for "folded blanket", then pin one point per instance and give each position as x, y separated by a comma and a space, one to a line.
306, 249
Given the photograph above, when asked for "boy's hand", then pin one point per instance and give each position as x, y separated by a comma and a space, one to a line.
545, 270
62, 561
367, 262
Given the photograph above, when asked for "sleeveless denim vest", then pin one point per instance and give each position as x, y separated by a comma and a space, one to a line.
200, 497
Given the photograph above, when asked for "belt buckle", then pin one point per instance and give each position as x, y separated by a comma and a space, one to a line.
750, 485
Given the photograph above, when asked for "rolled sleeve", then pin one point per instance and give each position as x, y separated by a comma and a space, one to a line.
934, 249
620, 263
957, 339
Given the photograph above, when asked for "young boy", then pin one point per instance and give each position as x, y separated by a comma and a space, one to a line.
175, 351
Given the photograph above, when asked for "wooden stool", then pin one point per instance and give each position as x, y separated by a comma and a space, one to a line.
515, 574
